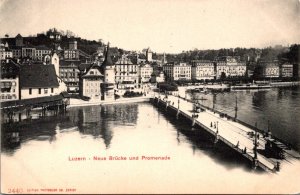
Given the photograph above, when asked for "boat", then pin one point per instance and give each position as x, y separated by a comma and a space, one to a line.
251, 86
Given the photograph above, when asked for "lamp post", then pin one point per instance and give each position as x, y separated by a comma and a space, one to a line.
255, 142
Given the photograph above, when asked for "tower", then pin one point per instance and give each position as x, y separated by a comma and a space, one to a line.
55, 62
108, 70
149, 55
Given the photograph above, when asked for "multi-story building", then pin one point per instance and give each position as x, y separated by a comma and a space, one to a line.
9, 80
69, 73
177, 71
90, 83
72, 53
202, 69
40, 52
5, 52
145, 71
229, 66
270, 69
127, 76
286, 70
16, 52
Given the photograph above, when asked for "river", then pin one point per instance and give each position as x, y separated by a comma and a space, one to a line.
163, 155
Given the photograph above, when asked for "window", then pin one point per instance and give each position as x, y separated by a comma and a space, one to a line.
30, 91
52, 90
40, 90
45, 90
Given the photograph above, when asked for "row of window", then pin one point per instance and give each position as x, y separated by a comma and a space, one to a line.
92, 90
40, 90
8, 97
93, 84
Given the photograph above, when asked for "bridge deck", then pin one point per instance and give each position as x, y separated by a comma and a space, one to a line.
230, 132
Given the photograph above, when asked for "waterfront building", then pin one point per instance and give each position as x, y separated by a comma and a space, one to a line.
177, 71
202, 70
270, 69
127, 77
145, 71
286, 70
229, 66
90, 82
41, 80
9, 80
69, 73
108, 70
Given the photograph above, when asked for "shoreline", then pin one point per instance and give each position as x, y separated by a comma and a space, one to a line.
80, 103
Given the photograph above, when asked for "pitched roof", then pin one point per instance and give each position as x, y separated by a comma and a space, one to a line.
38, 75
93, 66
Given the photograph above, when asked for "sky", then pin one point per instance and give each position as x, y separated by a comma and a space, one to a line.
163, 25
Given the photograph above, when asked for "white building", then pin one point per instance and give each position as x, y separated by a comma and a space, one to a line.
202, 70
41, 80
230, 67
90, 82
127, 77
177, 71
5, 53
145, 71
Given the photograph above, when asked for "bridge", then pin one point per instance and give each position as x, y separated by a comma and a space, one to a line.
247, 140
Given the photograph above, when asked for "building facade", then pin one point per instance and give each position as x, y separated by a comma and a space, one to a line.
90, 82
9, 81
5, 53
229, 66
287, 70
145, 71
202, 70
177, 71
127, 74
69, 73
270, 69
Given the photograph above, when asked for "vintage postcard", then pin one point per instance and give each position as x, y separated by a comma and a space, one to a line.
150, 96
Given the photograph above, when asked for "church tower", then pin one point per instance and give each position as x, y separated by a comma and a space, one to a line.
108, 70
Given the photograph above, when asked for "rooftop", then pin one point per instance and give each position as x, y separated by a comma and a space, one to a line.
38, 75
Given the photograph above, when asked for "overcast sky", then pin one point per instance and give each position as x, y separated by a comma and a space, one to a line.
163, 25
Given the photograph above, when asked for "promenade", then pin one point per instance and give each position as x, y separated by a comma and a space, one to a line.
233, 134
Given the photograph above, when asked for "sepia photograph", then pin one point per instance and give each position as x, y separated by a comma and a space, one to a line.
150, 96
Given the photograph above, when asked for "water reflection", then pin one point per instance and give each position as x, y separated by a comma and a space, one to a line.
96, 121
